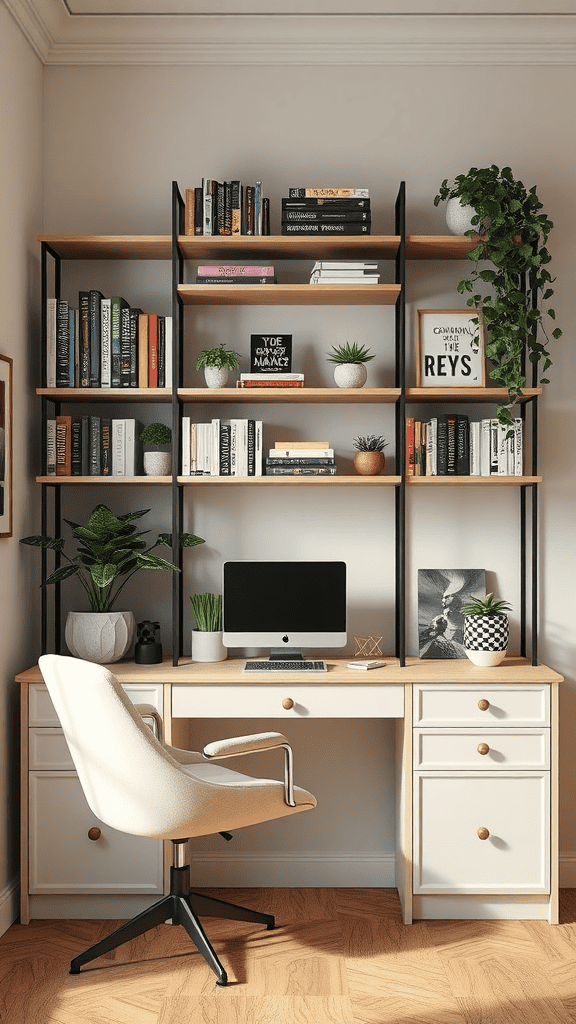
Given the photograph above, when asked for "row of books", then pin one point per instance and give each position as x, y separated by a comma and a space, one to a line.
270, 380
106, 343
242, 273
222, 447
451, 445
340, 272
326, 211
226, 208
93, 446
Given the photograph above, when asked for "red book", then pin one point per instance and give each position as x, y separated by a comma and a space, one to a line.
153, 350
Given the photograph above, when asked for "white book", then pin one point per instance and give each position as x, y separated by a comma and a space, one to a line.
131, 467
271, 376
185, 446
193, 449
258, 447
432, 447
105, 344
503, 449
475, 448
118, 434
51, 447
518, 464
51, 314
494, 447
233, 447
485, 447
204, 439
342, 279
342, 266
168, 352
215, 448
301, 453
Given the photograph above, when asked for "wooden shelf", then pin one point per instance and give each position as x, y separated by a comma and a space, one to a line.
106, 480
472, 481
438, 247
289, 294
110, 247
288, 481
337, 396
225, 248
465, 394
107, 394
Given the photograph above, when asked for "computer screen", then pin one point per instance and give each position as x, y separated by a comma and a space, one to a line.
284, 605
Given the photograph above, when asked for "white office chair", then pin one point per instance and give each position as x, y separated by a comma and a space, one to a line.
135, 784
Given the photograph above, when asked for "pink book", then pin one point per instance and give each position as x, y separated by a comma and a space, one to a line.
235, 271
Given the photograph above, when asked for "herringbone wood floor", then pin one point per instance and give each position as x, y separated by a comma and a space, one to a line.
338, 956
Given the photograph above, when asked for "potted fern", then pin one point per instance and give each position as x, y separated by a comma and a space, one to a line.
350, 370
157, 456
217, 363
369, 459
486, 630
207, 636
510, 231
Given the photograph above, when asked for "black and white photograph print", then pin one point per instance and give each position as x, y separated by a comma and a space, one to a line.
5, 446
450, 349
442, 593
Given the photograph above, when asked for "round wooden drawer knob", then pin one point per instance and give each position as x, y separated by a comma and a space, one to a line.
483, 748
287, 703
483, 833
94, 833
483, 704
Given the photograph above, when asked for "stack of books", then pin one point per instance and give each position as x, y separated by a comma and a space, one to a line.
326, 211
106, 343
93, 446
301, 458
451, 445
222, 447
226, 208
270, 380
338, 272
242, 273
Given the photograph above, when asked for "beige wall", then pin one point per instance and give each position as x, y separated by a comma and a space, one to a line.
20, 219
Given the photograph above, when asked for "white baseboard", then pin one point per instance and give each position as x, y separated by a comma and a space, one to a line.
9, 909
282, 871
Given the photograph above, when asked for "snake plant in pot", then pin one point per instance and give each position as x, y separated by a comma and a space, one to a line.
207, 637
110, 551
486, 630
509, 259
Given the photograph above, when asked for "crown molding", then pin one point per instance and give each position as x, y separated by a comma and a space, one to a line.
61, 39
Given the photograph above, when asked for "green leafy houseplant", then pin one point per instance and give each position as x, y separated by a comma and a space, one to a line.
487, 606
371, 443
207, 611
220, 357
110, 551
349, 354
156, 434
511, 233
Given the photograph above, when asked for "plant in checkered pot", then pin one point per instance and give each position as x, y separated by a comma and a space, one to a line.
486, 630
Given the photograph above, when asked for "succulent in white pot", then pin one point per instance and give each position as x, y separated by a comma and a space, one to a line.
350, 370
486, 630
217, 363
156, 437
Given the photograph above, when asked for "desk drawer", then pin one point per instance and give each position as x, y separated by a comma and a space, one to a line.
41, 708
458, 748
308, 701
519, 704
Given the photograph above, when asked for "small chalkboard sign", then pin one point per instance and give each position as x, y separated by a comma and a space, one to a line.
270, 353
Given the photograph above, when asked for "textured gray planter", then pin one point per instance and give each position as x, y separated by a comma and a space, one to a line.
458, 217
350, 375
486, 638
103, 637
216, 376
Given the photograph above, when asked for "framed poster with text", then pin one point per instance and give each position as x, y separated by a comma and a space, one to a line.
450, 349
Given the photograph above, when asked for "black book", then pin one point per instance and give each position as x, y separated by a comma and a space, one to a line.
85, 442
220, 217
251, 434
134, 314
125, 346
451, 469
62, 344
95, 338
310, 203
235, 207
235, 279
249, 210
225, 449
198, 210
272, 461
322, 216
265, 216
462, 446
95, 447
337, 228
76, 463
442, 445
161, 352
106, 446
84, 338
117, 305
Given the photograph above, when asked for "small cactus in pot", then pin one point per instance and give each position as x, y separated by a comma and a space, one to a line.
370, 459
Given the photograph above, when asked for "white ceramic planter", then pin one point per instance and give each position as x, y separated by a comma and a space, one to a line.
458, 217
486, 639
208, 646
103, 637
350, 375
216, 377
157, 463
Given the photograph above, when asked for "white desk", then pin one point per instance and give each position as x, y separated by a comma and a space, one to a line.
476, 749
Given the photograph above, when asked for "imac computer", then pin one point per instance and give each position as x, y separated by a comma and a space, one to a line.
284, 606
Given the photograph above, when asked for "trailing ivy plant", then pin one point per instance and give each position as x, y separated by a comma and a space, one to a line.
511, 232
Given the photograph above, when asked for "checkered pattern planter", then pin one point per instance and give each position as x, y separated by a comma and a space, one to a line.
486, 632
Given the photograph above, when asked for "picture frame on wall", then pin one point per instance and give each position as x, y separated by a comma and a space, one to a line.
450, 349
5, 446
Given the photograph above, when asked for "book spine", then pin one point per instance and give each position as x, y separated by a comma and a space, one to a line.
95, 446
189, 206
301, 453
518, 446
125, 343
235, 280
331, 203
258, 208
442, 445
269, 383
51, 447
105, 345
153, 350
62, 345
321, 215
116, 305
235, 270
220, 212
185, 446
76, 448
306, 461
134, 314
265, 216
503, 446
63, 446
131, 450
51, 331
72, 338
258, 447
161, 352
410, 436
193, 449
301, 471
105, 446
451, 467
198, 210
251, 447
206, 206
432, 447
249, 210
494, 447
475, 433
328, 193
168, 350
462, 446
214, 434
95, 298
118, 431
85, 446
224, 449
325, 229
143, 350
235, 207
84, 310
417, 448
485, 447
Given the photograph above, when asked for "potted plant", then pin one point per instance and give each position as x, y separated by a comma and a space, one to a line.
511, 234
157, 458
110, 551
216, 363
350, 371
486, 630
369, 459
207, 636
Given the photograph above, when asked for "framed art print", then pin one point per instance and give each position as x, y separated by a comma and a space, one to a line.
442, 593
450, 349
5, 446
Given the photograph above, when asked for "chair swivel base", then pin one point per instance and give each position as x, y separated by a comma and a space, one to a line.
181, 906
